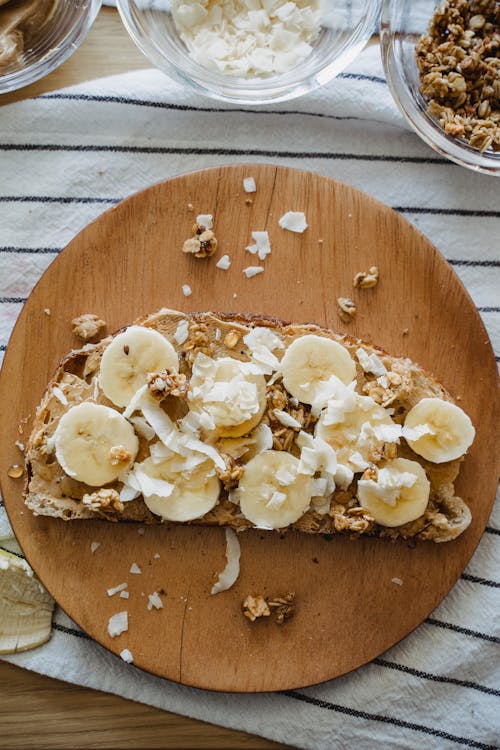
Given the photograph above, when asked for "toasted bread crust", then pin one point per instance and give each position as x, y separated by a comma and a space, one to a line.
50, 492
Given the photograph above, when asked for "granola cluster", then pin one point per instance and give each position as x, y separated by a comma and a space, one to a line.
167, 383
104, 502
459, 64
279, 400
203, 244
282, 607
87, 326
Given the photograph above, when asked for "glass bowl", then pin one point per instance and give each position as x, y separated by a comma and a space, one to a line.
151, 26
52, 43
402, 24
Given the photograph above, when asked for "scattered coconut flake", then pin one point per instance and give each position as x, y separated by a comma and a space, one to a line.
232, 569
186, 290
124, 594
397, 581
249, 185
116, 589
156, 555
118, 623
224, 263
134, 568
19, 445
154, 601
286, 419
181, 332
294, 221
141, 530
250, 271
262, 246
205, 220
60, 395
217, 334
235, 296
126, 655
94, 546
143, 428
47, 311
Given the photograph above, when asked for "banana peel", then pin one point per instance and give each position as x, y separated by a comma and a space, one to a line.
25, 607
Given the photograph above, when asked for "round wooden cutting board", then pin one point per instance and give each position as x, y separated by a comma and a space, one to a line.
128, 263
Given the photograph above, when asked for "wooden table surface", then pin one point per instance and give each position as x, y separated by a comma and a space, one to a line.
40, 712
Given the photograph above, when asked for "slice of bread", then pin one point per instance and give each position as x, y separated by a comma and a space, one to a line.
51, 492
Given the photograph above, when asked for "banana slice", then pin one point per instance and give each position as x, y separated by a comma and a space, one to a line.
25, 606
94, 443
355, 427
310, 361
177, 495
230, 392
128, 359
272, 493
399, 493
446, 431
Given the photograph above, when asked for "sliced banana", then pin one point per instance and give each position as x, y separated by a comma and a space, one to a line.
446, 431
310, 361
230, 392
355, 427
178, 495
128, 359
25, 606
94, 444
399, 493
272, 493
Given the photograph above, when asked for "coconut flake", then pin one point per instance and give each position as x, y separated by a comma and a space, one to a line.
124, 594
286, 419
250, 271
223, 263
181, 332
186, 290
397, 581
116, 589
118, 623
154, 601
262, 246
232, 569
142, 428
205, 220
217, 334
94, 546
134, 568
135, 401
249, 185
59, 395
156, 555
370, 362
126, 655
294, 221
263, 438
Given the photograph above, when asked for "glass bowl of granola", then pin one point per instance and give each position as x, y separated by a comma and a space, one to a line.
442, 63
36, 36
251, 51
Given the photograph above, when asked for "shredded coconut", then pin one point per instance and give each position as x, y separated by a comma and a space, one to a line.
94, 546
249, 185
154, 601
186, 290
116, 589
205, 220
223, 263
126, 655
60, 395
118, 624
232, 569
124, 594
397, 581
181, 332
252, 271
294, 221
262, 246
134, 568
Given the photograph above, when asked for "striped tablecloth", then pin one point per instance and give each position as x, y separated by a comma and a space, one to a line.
67, 156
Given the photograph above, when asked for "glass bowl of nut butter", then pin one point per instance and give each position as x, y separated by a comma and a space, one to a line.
36, 36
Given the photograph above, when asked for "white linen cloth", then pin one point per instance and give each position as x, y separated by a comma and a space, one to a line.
66, 156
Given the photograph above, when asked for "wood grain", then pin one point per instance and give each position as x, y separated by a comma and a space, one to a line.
36, 711
128, 263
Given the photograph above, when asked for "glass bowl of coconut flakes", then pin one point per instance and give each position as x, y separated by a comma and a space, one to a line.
251, 51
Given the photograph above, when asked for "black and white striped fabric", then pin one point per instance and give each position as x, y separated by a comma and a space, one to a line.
67, 156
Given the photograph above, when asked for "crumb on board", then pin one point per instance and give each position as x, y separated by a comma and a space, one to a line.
366, 279
88, 326
134, 568
346, 309
94, 546
281, 607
